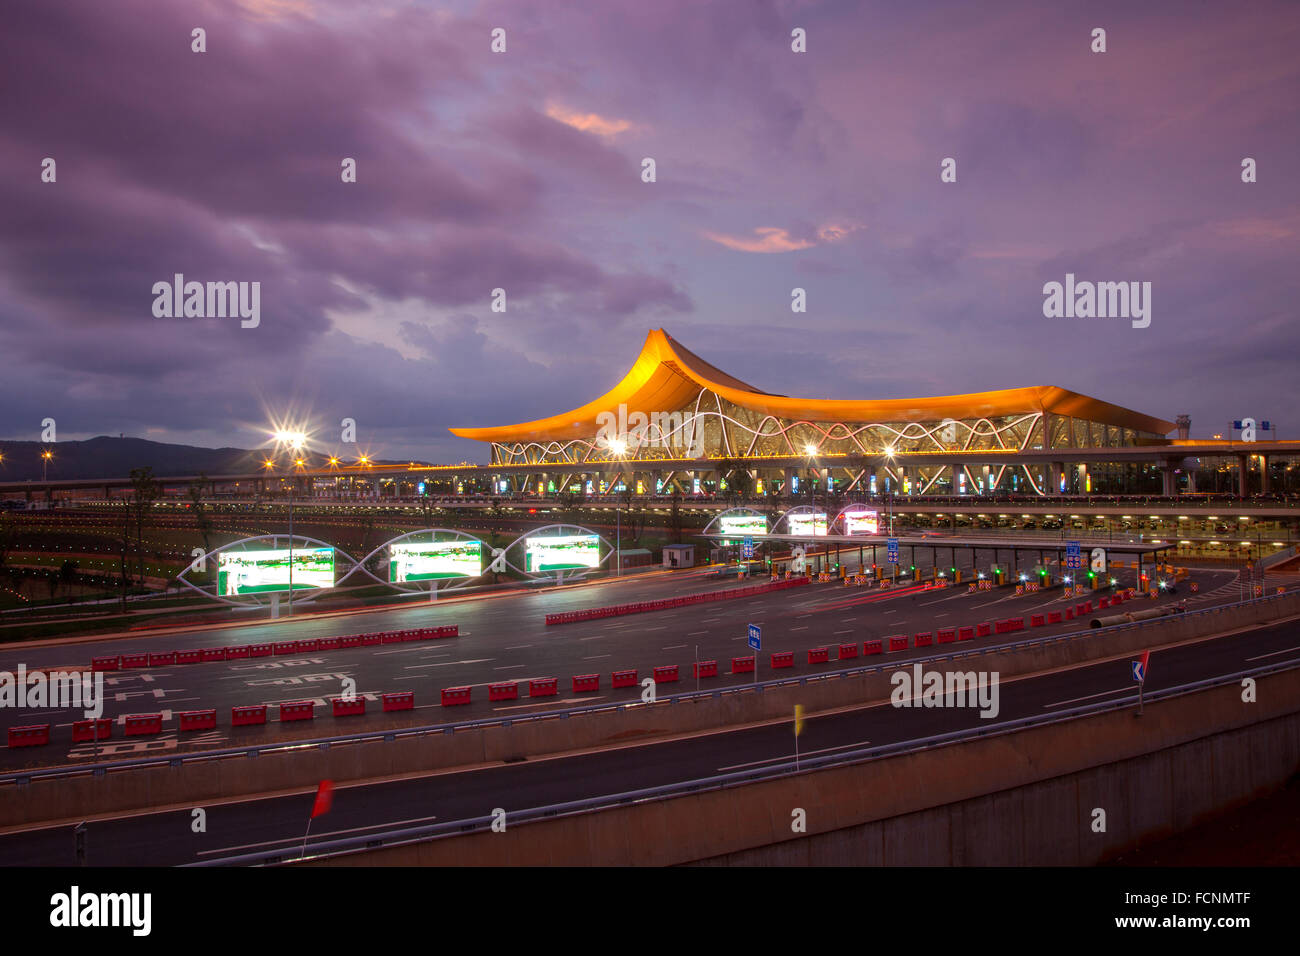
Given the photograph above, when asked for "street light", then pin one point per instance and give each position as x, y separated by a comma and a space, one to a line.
45, 462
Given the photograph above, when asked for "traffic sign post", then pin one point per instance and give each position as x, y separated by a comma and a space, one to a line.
747, 548
1140, 675
756, 644
1073, 555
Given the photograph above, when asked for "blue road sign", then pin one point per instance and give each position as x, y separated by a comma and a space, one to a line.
1139, 672
1237, 424
755, 637
747, 547
1073, 557
893, 551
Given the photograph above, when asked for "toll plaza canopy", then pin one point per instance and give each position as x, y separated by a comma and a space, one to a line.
673, 406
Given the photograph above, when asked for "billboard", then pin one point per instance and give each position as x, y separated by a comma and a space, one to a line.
753, 525
861, 521
256, 572
561, 552
807, 523
429, 560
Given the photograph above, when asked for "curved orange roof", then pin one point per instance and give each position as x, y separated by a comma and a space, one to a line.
666, 376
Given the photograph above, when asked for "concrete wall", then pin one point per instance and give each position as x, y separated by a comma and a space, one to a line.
1011, 800
196, 782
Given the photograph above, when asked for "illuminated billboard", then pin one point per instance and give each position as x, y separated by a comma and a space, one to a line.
753, 525
561, 552
428, 560
255, 572
807, 523
861, 521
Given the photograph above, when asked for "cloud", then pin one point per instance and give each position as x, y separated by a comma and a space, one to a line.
587, 122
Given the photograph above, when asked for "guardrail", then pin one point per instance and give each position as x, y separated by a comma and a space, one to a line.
324, 743
408, 835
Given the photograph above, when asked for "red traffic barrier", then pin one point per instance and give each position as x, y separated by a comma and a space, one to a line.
543, 687
447, 630
506, 690
104, 664
31, 735
848, 650
352, 640
260, 650
188, 657
135, 660
328, 643
624, 678
782, 659
666, 674
923, 639
212, 654
963, 634
873, 647
400, 700
1002, 626
197, 719
983, 629
585, 683
742, 665
168, 657
390, 637
1037, 620
411, 635
897, 642
706, 668
139, 725
285, 647
244, 715
372, 638
83, 730
298, 710
946, 635
235, 653
1053, 617
1102, 604
313, 645
821, 655
1069, 614
455, 696
348, 706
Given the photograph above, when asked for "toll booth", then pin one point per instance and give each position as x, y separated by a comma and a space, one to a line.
679, 556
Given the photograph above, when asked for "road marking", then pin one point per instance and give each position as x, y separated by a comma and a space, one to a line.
849, 631
594, 637
803, 628
518, 647
674, 647
661, 627
1272, 654
552, 703
790, 756
1105, 693
696, 633
597, 657
482, 660
509, 667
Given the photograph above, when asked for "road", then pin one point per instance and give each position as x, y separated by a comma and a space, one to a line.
166, 837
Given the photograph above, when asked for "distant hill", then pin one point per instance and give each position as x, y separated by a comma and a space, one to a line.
106, 457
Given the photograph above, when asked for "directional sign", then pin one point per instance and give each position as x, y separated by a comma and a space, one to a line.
755, 637
1139, 672
1073, 556
893, 550
747, 547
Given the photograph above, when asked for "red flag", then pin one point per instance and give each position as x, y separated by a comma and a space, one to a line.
1145, 656
324, 799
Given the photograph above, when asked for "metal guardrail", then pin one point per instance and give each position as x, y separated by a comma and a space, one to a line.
408, 835
23, 777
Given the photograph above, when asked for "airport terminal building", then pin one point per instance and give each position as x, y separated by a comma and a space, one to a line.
676, 422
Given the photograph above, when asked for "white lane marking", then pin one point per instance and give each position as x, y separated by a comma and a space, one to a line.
509, 667
696, 633
1272, 654
518, 647
661, 627
892, 610
596, 657
594, 637
849, 631
674, 647
790, 756
1105, 693
322, 836
804, 628
483, 660
552, 702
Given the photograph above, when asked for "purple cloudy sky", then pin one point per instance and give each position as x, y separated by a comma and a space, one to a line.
522, 171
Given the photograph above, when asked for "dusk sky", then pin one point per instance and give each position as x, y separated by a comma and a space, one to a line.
522, 170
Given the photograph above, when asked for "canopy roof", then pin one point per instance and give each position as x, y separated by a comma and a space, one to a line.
667, 376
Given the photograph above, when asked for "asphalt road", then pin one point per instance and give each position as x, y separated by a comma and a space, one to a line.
505, 638
167, 838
